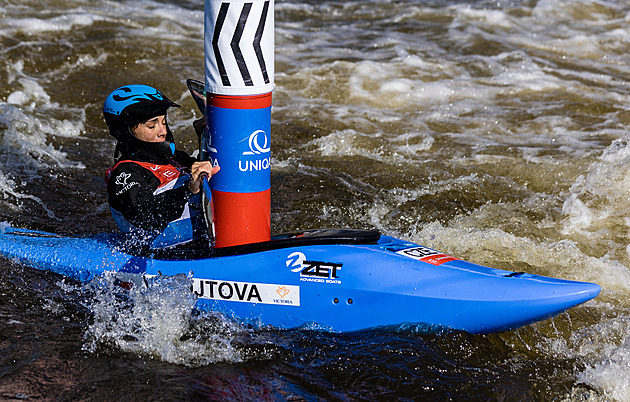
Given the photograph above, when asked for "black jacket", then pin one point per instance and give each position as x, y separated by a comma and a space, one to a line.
131, 187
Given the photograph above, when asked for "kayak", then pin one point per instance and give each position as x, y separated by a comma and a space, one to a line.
335, 279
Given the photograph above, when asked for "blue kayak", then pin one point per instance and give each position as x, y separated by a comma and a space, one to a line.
339, 279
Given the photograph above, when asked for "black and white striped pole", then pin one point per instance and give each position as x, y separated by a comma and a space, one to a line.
239, 47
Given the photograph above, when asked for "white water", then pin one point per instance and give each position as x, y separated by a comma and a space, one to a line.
494, 132
157, 320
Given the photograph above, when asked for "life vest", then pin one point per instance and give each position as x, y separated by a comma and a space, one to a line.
188, 226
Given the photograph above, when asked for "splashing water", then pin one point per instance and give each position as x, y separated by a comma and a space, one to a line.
158, 320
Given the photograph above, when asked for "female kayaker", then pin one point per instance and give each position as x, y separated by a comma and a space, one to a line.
153, 188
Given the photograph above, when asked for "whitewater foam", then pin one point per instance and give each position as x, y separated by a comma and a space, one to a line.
158, 320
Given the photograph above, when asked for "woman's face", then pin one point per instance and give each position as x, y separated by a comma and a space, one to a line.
152, 130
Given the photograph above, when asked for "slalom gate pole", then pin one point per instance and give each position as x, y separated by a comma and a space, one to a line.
239, 69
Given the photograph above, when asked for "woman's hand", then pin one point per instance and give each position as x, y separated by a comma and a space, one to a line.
198, 171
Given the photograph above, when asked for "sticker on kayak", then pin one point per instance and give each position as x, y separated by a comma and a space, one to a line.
314, 271
426, 254
265, 293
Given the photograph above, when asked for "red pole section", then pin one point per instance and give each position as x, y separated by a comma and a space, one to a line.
239, 80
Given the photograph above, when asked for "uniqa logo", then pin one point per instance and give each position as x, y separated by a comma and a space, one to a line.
255, 148
258, 145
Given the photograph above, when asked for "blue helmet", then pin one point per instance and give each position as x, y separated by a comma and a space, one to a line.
130, 105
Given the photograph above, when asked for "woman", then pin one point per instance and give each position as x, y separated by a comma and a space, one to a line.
153, 188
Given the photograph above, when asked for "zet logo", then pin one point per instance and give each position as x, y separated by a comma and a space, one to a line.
314, 271
255, 146
295, 261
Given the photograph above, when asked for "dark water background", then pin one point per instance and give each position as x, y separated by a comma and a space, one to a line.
494, 131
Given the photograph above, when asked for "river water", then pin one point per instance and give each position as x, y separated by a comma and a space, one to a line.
494, 131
